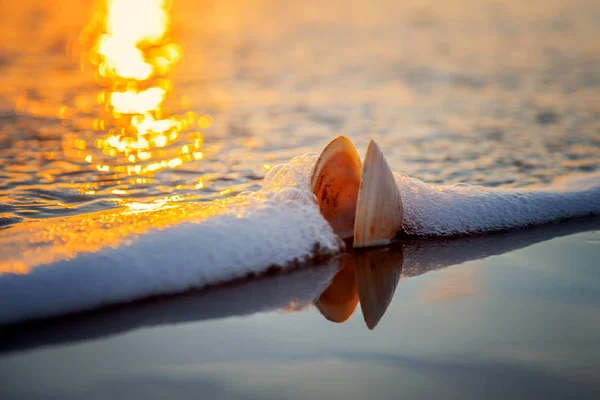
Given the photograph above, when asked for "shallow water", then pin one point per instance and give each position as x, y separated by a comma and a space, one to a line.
479, 92
506, 315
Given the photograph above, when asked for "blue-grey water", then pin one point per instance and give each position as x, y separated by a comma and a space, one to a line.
510, 315
498, 94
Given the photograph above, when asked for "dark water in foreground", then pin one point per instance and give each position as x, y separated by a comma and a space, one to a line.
521, 322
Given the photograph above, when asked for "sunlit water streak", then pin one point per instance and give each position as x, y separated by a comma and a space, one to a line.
133, 52
502, 95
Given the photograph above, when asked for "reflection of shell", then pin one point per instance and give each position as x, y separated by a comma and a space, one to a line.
379, 204
338, 302
377, 275
335, 181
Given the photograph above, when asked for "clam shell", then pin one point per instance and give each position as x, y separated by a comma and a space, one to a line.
379, 212
335, 181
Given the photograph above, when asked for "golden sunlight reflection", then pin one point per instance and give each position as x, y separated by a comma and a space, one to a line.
130, 26
39, 243
133, 51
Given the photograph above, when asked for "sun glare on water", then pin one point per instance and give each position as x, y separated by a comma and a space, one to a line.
134, 53
129, 24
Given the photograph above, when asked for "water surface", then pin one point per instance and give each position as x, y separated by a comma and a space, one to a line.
498, 94
469, 91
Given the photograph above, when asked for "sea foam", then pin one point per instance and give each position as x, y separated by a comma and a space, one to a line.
433, 211
71, 264
83, 262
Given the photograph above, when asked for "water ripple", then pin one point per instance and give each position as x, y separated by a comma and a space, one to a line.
500, 96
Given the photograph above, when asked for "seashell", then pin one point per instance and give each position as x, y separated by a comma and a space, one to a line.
379, 204
335, 181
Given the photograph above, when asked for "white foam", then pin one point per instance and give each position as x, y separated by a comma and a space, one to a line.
434, 211
51, 267
279, 225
